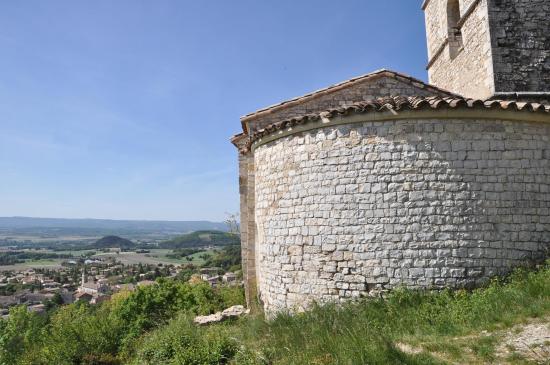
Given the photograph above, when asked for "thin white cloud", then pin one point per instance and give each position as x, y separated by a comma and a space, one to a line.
40, 143
192, 178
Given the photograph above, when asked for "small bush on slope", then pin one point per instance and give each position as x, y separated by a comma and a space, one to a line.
181, 342
104, 334
366, 332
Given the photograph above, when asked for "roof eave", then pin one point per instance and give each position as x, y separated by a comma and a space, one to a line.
339, 86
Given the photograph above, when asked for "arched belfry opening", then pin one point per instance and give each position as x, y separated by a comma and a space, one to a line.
453, 26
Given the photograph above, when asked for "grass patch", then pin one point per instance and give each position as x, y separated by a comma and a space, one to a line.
196, 258
484, 347
445, 326
43, 262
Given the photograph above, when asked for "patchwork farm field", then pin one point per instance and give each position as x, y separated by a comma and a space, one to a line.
155, 256
33, 264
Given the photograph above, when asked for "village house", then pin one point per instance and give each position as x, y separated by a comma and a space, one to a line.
83, 296
213, 280
229, 278
88, 290
208, 272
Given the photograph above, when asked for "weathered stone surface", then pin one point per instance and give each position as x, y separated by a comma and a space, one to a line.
504, 47
374, 85
466, 204
468, 70
212, 318
520, 39
234, 311
231, 312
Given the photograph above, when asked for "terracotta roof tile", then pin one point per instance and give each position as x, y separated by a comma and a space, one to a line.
396, 103
379, 73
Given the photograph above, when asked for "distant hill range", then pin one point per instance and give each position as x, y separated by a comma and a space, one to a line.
114, 241
189, 240
202, 238
68, 229
107, 224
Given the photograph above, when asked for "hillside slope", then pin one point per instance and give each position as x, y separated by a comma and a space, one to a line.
507, 322
202, 238
114, 242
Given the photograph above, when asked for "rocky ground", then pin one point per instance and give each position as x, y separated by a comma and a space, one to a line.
527, 343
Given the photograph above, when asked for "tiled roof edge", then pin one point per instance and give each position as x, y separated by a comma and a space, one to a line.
394, 103
379, 73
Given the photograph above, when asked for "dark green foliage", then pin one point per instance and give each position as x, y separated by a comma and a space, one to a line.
78, 331
9, 289
181, 342
16, 257
228, 258
106, 334
149, 306
186, 272
115, 242
19, 333
201, 239
54, 302
183, 252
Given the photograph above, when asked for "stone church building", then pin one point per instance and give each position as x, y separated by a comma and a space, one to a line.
383, 180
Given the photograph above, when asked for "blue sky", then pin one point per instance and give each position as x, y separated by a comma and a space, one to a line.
124, 109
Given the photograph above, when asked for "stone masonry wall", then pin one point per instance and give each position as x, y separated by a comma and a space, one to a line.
342, 211
470, 72
520, 37
248, 226
506, 47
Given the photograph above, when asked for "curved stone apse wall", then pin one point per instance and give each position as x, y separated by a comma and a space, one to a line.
344, 210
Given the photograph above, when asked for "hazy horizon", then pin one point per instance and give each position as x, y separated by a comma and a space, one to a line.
109, 219
124, 110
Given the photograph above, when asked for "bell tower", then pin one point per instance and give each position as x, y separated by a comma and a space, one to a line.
489, 48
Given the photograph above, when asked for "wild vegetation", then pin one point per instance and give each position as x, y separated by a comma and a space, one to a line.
179, 253
108, 333
154, 326
202, 238
227, 259
16, 257
114, 241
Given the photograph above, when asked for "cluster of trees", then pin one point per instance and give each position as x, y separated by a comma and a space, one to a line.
108, 333
144, 272
228, 258
201, 239
9, 289
183, 252
17, 257
114, 241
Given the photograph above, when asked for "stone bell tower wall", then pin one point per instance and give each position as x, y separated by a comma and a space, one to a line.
520, 40
461, 62
489, 48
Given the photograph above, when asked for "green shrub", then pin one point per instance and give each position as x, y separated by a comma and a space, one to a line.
182, 342
107, 333
18, 334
